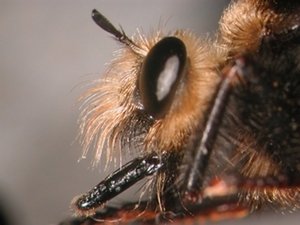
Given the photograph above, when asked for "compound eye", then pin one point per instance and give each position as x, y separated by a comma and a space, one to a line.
160, 75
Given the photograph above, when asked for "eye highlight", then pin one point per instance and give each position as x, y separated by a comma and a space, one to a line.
160, 75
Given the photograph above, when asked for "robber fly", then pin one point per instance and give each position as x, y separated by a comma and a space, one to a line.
216, 121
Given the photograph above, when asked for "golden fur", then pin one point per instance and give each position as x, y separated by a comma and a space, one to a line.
110, 111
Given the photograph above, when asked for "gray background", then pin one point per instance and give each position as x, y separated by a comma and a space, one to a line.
47, 49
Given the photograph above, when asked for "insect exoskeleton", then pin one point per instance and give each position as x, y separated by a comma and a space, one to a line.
215, 123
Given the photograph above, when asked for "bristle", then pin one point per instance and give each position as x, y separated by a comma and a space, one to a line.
114, 95
243, 25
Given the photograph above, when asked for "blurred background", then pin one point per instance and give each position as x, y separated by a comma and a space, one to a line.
48, 48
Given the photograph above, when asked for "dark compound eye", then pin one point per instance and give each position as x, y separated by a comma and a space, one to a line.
161, 72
